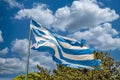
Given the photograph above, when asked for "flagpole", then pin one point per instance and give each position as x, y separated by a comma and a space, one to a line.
28, 55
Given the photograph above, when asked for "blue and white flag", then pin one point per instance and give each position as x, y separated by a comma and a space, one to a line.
65, 51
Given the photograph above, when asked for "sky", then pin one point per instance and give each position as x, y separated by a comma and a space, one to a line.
96, 21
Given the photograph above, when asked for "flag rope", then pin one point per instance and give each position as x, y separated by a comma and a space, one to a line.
28, 55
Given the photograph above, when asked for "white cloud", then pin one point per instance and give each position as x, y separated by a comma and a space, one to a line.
4, 51
5, 78
39, 12
82, 14
11, 65
1, 38
13, 3
15, 65
20, 46
101, 37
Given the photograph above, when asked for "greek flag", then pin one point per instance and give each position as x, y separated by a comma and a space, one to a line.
65, 51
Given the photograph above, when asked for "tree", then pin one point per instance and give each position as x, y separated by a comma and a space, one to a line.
110, 71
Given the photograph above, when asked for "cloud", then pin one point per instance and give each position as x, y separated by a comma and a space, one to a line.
71, 18
13, 3
14, 65
5, 78
102, 37
82, 14
4, 51
11, 66
1, 38
39, 12
20, 46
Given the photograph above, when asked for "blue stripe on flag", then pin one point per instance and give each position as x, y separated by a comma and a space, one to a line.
35, 23
73, 43
82, 62
40, 42
48, 49
75, 51
38, 32
78, 52
83, 42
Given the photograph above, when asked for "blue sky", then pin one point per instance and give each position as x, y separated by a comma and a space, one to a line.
97, 21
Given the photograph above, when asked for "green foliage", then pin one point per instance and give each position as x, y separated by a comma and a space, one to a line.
110, 71
31, 76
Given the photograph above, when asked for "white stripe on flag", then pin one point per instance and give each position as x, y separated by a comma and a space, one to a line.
66, 45
69, 56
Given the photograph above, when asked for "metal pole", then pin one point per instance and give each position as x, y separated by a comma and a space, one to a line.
92, 74
28, 55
